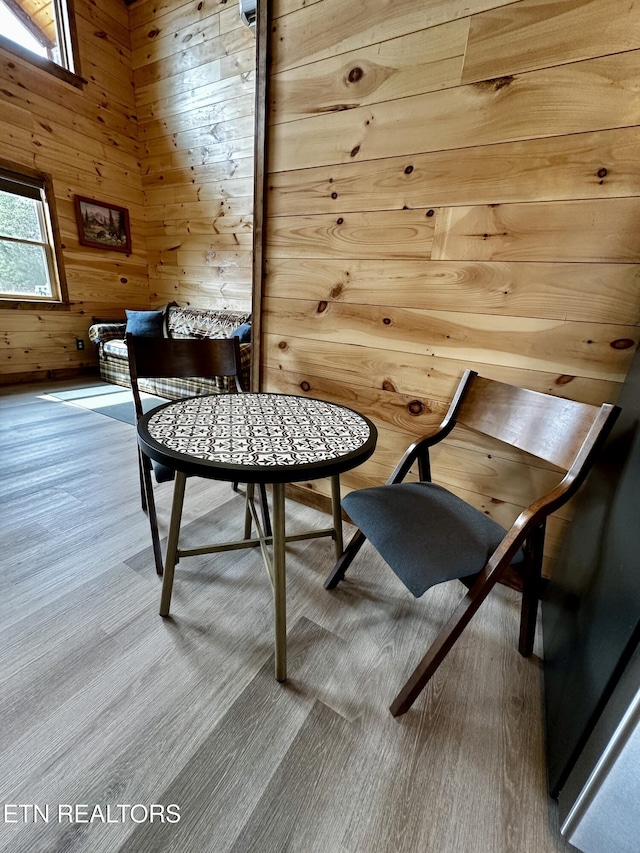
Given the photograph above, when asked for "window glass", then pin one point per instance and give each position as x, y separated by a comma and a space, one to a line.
28, 267
40, 27
19, 217
13, 29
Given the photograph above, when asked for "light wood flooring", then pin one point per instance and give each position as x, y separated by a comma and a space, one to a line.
105, 703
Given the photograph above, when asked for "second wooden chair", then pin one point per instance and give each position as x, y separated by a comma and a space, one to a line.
173, 358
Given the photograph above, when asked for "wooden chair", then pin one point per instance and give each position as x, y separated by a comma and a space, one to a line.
428, 535
170, 358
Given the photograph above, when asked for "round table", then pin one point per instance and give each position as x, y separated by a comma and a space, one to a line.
255, 438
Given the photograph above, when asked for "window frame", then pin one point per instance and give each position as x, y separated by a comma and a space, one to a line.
66, 25
55, 261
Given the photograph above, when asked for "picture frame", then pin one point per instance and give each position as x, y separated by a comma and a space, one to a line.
102, 225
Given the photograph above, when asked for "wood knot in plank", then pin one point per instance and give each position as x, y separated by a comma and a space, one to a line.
388, 385
415, 407
305, 386
494, 85
622, 343
322, 306
355, 75
564, 379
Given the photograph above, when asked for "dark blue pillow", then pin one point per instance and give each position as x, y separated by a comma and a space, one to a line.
145, 324
243, 332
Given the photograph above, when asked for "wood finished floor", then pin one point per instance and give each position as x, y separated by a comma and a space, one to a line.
105, 703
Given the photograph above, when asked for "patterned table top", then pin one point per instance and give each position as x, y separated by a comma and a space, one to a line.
270, 437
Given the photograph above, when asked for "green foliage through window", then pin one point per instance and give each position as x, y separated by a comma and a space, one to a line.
27, 255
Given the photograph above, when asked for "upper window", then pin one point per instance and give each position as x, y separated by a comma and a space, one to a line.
29, 268
40, 29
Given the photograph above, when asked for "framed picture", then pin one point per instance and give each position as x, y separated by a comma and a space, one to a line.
102, 225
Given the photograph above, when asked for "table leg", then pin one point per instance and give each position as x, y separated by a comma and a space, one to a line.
279, 582
336, 511
172, 542
247, 514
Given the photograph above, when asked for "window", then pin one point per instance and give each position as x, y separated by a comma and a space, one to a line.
40, 31
29, 267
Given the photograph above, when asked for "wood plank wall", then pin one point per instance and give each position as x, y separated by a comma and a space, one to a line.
87, 141
163, 127
452, 186
194, 73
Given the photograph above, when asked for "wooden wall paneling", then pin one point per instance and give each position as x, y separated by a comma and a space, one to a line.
388, 234
89, 141
533, 34
598, 351
601, 164
98, 156
529, 165
223, 260
164, 44
86, 139
25, 82
397, 411
215, 139
410, 373
170, 215
219, 291
81, 116
192, 228
592, 95
181, 83
419, 62
321, 30
194, 56
198, 180
481, 467
143, 12
224, 101
114, 12
558, 290
218, 192
110, 19
241, 62
106, 52
192, 174
178, 21
217, 98
580, 231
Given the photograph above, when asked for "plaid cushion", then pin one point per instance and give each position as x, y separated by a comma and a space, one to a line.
117, 348
114, 367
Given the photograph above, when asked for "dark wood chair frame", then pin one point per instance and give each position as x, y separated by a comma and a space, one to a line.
562, 432
173, 358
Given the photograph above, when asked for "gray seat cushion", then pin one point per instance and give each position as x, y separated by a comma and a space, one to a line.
425, 533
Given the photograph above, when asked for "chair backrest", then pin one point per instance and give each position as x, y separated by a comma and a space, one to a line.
154, 358
557, 430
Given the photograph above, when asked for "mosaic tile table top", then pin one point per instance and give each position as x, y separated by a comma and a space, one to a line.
263, 432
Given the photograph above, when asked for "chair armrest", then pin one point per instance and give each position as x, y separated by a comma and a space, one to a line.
99, 333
